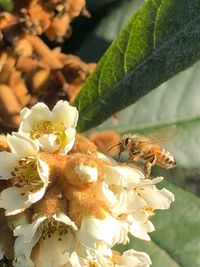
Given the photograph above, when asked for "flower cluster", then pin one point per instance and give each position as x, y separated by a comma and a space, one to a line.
65, 203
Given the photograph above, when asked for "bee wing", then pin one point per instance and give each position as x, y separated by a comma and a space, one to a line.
162, 136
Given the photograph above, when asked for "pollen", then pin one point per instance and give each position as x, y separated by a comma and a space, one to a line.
51, 227
49, 127
26, 176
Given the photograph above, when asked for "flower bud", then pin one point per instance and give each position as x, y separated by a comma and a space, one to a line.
82, 170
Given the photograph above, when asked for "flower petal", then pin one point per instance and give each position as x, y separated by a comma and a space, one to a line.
65, 113
61, 217
128, 201
27, 231
133, 258
70, 137
38, 113
10, 161
14, 201
48, 143
141, 230
122, 176
21, 145
92, 231
23, 251
157, 199
43, 170
105, 194
61, 249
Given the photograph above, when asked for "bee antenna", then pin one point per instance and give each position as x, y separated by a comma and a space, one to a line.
113, 146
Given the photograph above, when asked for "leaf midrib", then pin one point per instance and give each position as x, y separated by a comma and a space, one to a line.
117, 87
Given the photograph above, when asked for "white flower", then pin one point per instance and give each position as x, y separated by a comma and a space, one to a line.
87, 257
52, 240
28, 174
133, 258
107, 258
154, 198
53, 130
140, 225
95, 233
126, 190
132, 198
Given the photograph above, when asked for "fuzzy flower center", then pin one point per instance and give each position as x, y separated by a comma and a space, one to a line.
49, 127
26, 175
51, 227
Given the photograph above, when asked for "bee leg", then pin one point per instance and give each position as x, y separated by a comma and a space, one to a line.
134, 156
148, 165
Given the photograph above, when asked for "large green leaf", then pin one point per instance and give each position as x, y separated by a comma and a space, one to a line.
176, 241
176, 102
161, 39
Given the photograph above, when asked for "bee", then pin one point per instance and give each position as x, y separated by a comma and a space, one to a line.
148, 149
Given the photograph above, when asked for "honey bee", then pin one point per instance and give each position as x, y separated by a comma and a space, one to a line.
148, 149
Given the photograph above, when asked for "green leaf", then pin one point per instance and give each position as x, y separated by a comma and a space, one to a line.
7, 4
176, 241
176, 102
160, 40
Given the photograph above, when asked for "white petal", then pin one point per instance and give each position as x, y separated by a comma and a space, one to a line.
27, 231
65, 113
34, 197
23, 251
157, 199
122, 176
38, 113
149, 182
43, 170
70, 137
141, 230
48, 143
21, 145
105, 158
94, 231
61, 217
53, 252
128, 201
86, 173
14, 202
74, 261
105, 194
10, 161
133, 258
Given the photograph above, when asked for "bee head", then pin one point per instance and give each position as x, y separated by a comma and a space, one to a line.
126, 143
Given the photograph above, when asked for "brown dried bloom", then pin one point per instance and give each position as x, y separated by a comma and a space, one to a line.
29, 69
